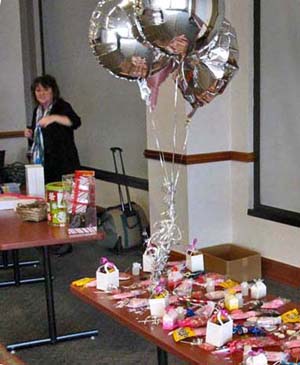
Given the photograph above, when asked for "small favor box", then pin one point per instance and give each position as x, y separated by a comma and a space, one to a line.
158, 306
107, 280
218, 334
194, 261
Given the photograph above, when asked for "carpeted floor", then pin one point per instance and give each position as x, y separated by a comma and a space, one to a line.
23, 314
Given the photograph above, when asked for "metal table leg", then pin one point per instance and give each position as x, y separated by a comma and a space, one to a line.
15, 255
17, 275
53, 338
162, 357
4, 260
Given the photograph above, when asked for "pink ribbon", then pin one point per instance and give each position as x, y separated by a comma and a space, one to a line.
155, 81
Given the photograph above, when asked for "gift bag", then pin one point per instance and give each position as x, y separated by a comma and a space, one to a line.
219, 330
107, 275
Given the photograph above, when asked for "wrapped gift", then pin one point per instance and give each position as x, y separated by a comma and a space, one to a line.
107, 276
258, 289
194, 258
219, 330
79, 194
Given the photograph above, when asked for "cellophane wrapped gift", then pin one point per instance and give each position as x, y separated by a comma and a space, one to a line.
79, 191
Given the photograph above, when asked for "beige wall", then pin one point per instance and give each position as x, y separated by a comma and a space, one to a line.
12, 104
274, 240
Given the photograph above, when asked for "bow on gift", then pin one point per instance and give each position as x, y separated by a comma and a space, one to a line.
106, 266
192, 247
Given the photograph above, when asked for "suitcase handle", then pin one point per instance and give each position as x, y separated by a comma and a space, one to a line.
126, 216
115, 149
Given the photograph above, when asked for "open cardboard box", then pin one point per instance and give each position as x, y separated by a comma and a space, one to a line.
237, 262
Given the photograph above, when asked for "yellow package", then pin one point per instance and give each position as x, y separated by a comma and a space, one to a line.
182, 333
228, 284
291, 316
82, 282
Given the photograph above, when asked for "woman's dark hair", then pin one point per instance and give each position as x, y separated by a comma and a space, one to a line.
47, 81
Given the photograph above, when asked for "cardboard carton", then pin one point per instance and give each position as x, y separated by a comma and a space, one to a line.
237, 262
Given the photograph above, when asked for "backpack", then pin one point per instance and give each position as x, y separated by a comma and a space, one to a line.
123, 229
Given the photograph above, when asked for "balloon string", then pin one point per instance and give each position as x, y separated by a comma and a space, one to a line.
184, 148
157, 143
175, 119
175, 173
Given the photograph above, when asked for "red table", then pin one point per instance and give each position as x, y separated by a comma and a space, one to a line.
15, 235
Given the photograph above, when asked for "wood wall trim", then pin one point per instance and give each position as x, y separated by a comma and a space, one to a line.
201, 157
11, 134
112, 177
271, 269
281, 272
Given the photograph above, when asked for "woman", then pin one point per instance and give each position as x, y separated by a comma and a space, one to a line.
51, 134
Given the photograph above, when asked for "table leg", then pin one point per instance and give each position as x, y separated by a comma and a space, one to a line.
49, 295
17, 275
162, 357
15, 255
53, 338
4, 260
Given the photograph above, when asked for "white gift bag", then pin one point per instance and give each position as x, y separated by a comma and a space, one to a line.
148, 258
158, 306
194, 261
217, 334
107, 277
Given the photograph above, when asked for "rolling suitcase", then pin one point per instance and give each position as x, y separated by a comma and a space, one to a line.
125, 225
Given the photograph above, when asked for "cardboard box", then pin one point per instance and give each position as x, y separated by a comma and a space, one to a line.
237, 262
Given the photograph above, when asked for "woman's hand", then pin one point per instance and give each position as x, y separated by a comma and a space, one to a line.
55, 118
28, 133
45, 121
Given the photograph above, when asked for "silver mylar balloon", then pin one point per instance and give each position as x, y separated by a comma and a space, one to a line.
175, 26
205, 73
118, 44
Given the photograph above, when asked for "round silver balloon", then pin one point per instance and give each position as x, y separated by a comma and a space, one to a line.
176, 26
205, 73
118, 44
